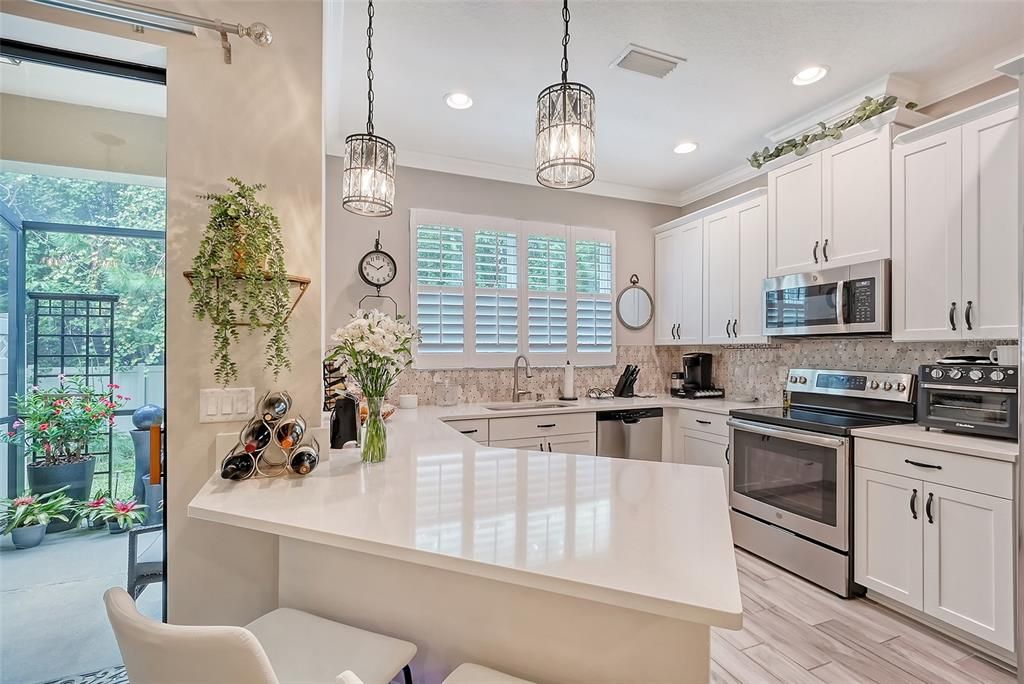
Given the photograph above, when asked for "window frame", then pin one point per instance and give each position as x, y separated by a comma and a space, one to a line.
469, 225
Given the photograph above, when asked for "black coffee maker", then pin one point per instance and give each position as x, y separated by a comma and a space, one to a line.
695, 379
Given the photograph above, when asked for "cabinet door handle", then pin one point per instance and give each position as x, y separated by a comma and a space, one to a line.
547, 425
675, 330
928, 509
734, 322
549, 447
913, 504
469, 432
703, 422
967, 315
824, 250
727, 454
815, 251
921, 465
727, 333
952, 315
542, 446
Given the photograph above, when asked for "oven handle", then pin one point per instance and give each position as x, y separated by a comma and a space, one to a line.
971, 388
791, 435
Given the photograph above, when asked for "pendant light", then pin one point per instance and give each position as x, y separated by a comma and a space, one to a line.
565, 128
368, 180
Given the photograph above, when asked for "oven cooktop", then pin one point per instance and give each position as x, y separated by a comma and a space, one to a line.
825, 422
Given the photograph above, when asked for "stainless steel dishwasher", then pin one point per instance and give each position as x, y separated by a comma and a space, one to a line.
630, 433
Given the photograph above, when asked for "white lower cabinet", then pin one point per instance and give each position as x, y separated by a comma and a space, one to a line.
938, 549
702, 448
583, 444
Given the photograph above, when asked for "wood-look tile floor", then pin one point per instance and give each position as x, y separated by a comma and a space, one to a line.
797, 633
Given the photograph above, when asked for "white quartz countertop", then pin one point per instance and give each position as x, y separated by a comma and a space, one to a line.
913, 434
653, 537
584, 405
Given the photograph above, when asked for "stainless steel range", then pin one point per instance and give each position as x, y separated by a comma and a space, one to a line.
791, 474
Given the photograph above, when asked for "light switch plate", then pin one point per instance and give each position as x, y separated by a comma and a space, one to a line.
226, 404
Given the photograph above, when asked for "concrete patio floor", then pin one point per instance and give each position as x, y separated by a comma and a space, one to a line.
52, 620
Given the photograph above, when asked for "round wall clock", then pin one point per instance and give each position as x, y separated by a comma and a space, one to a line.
377, 268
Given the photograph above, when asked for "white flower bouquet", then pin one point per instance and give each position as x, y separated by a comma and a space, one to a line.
373, 348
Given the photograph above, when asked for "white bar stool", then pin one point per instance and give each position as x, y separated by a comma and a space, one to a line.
284, 646
468, 673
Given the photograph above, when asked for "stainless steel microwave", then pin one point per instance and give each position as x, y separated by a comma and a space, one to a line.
846, 300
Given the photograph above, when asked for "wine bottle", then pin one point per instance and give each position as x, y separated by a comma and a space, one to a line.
290, 432
304, 459
238, 465
275, 406
255, 436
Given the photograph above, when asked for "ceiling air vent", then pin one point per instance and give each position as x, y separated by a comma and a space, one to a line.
647, 61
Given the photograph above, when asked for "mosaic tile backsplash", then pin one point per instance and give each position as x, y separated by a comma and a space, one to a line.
747, 371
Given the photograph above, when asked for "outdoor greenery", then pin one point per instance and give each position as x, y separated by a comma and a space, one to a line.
132, 268
868, 108
238, 277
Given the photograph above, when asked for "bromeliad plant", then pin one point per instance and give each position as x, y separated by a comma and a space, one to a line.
93, 509
124, 514
868, 108
374, 349
34, 509
56, 424
238, 277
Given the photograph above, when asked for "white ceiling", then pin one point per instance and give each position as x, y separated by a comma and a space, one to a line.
733, 89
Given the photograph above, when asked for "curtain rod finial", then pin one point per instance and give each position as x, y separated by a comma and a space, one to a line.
259, 33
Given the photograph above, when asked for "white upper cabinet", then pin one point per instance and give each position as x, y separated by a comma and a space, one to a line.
926, 239
831, 208
748, 313
721, 272
667, 295
954, 217
794, 217
855, 181
990, 195
691, 285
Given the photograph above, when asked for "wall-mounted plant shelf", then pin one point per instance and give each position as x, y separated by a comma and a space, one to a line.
298, 283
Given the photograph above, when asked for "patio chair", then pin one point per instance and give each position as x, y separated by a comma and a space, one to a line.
285, 646
142, 573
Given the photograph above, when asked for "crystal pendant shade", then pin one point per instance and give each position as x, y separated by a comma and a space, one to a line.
566, 148
368, 180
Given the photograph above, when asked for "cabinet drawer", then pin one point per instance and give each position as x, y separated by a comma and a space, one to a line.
542, 425
954, 470
475, 429
704, 422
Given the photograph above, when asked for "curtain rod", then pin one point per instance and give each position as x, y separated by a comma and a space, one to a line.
164, 20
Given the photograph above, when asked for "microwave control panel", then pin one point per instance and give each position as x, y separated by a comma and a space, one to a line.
862, 301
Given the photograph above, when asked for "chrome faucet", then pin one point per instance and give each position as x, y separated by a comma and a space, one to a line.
516, 392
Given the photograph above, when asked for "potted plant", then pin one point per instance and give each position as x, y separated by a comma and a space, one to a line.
27, 516
374, 348
238, 277
55, 425
121, 516
92, 511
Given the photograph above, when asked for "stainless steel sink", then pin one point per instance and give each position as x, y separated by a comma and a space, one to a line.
525, 405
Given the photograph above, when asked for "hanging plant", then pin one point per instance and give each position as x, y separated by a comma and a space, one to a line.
238, 277
868, 108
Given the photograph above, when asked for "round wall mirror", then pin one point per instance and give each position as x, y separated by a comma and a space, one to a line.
634, 306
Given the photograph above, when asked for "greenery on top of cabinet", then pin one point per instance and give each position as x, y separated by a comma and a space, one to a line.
868, 108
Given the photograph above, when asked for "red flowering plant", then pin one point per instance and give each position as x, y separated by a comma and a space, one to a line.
56, 424
124, 513
33, 509
95, 508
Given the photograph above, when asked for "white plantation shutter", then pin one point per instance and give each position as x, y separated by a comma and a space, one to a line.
593, 252
547, 266
439, 290
496, 269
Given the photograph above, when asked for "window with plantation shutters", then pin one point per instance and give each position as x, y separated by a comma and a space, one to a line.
488, 288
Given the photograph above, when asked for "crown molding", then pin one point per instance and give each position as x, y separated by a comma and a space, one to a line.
720, 182
969, 75
521, 176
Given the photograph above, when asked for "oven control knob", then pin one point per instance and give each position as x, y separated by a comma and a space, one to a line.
997, 375
937, 373
901, 387
874, 384
887, 386
803, 380
955, 373
976, 375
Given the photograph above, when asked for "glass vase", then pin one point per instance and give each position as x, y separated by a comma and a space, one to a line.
375, 443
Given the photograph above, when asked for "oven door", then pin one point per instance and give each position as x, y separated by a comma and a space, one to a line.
990, 411
794, 479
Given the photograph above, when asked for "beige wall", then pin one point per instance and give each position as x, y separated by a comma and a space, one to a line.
64, 134
350, 236
261, 119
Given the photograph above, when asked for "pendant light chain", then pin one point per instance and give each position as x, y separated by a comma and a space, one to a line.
369, 67
565, 42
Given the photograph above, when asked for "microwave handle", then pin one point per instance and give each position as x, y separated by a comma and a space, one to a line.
841, 302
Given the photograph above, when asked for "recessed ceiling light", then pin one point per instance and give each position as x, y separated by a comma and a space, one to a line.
811, 74
685, 147
458, 100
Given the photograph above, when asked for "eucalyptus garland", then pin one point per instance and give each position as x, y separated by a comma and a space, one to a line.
868, 108
239, 277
